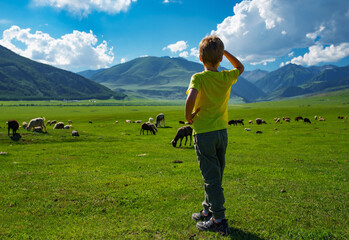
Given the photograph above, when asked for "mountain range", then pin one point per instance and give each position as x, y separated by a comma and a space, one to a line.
24, 79
165, 77
162, 77
156, 77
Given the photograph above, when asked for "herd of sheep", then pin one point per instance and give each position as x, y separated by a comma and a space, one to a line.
38, 125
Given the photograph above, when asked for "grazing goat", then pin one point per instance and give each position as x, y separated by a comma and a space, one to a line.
321, 119
151, 120
160, 118
14, 125
277, 120
149, 127
37, 122
24, 125
182, 132
306, 120
250, 121
260, 121
298, 118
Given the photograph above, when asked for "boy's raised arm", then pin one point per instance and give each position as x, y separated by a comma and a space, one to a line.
233, 60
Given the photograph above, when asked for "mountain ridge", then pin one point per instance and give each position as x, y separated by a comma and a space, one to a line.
25, 79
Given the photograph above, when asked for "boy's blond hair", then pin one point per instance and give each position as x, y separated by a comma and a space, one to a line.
211, 49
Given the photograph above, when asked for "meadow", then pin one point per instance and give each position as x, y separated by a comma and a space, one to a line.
289, 182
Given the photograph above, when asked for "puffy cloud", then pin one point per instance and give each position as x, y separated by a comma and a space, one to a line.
194, 52
71, 51
123, 60
177, 47
259, 30
87, 6
319, 54
184, 54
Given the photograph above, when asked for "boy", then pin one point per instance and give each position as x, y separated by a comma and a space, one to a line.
208, 95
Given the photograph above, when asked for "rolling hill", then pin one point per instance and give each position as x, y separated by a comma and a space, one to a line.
294, 80
163, 77
24, 79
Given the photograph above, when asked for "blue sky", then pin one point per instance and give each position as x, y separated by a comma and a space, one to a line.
77, 35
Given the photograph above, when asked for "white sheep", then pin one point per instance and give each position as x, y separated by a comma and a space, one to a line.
36, 122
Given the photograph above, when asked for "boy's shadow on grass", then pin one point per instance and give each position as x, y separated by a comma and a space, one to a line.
238, 234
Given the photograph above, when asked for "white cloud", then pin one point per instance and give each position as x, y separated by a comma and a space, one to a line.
319, 54
71, 51
184, 54
259, 30
194, 52
123, 60
87, 6
264, 62
177, 47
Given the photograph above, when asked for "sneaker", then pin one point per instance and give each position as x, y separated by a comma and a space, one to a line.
201, 217
212, 226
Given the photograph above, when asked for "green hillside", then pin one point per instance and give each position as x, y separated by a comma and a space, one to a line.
24, 79
163, 77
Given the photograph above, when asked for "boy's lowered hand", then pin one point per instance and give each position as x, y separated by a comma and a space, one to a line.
189, 105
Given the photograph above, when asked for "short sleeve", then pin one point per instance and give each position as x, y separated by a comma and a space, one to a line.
194, 83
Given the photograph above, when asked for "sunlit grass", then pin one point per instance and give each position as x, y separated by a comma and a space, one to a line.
290, 182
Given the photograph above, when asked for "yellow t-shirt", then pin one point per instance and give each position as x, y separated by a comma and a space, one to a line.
212, 99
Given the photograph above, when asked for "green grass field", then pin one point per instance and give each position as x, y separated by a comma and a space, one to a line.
290, 182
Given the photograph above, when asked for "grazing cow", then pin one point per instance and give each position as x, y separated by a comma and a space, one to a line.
160, 118
260, 121
37, 122
232, 122
182, 132
240, 121
14, 125
236, 122
298, 118
24, 125
306, 120
149, 127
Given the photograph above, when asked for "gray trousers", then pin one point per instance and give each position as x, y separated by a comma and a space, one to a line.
210, 150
